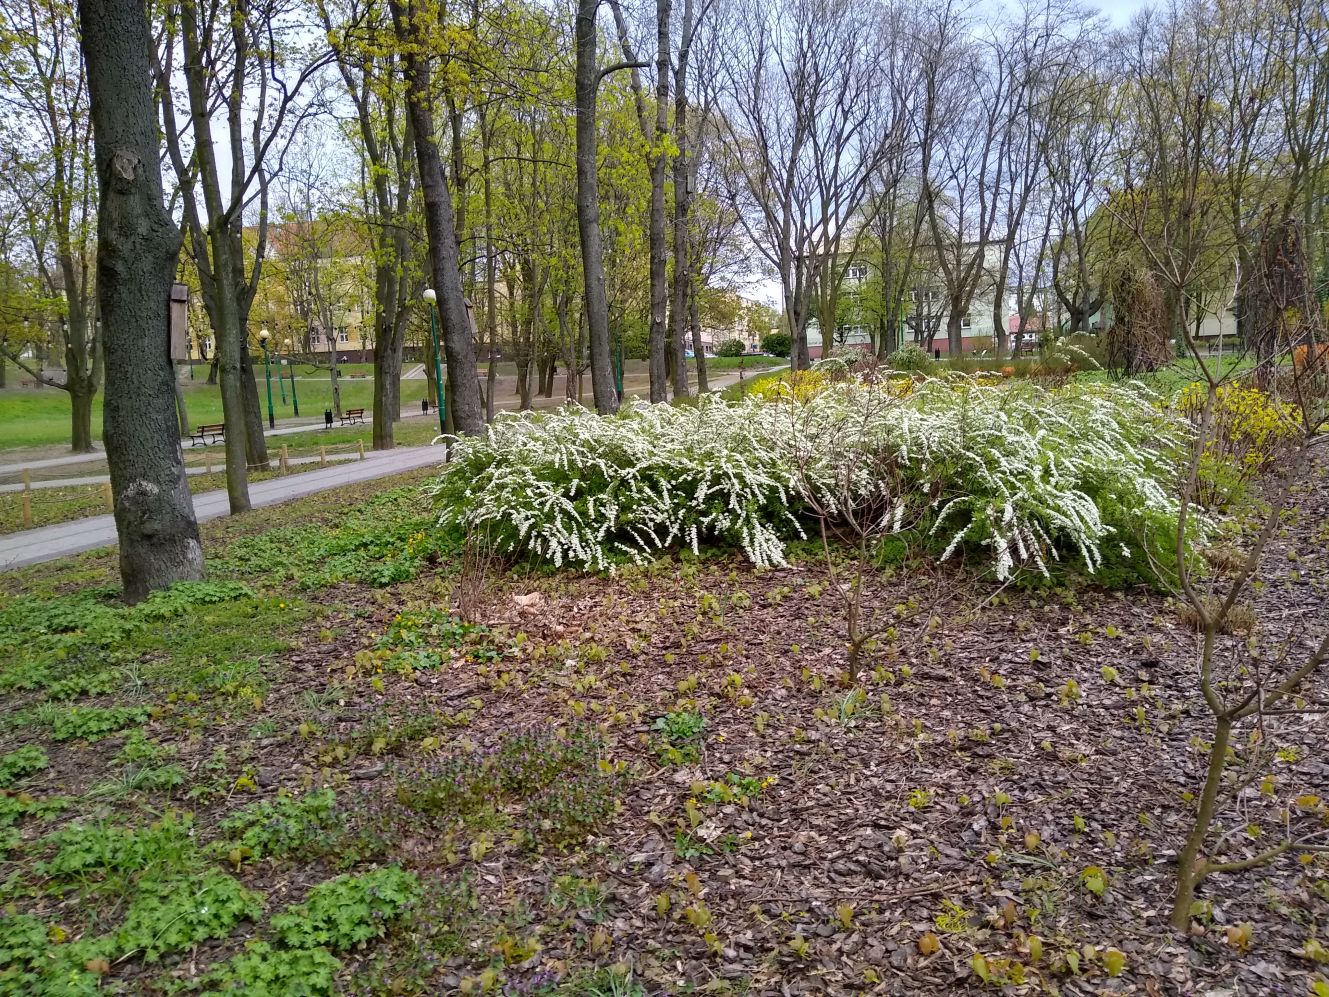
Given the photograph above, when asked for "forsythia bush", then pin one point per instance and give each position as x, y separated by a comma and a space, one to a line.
1023, 472
1251, 430
798, 385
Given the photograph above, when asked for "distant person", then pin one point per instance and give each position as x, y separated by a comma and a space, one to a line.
327, 418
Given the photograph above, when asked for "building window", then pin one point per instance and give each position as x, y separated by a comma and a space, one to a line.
967, 322
856, 271
345, 335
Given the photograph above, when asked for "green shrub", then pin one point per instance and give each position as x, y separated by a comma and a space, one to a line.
911, 357
1025, 474
732, 348
777, 344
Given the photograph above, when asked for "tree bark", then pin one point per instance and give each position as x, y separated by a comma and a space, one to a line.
588, 210
136, 257
80, 403
387, 380
463, 396
659, 340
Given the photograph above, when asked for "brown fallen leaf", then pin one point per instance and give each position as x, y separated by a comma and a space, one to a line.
929, 944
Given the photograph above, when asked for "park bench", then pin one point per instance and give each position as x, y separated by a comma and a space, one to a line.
352, 416
28, 382
206, 434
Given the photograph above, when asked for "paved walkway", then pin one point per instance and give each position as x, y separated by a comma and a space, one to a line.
220, 468
62, 539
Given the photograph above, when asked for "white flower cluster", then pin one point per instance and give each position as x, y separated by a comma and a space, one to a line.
1022, 470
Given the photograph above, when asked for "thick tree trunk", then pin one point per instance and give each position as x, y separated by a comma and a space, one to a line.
588, 210
463, 396
136, 257
954, 332
81, 392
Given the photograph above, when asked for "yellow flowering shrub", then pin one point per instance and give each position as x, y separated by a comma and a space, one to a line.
1251, 430
799, 385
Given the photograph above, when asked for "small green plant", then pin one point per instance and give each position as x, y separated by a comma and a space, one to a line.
172, 914
348, 910
920, 799
99, 849
264, 971
88, 723
21, 763
680, 736
285, 826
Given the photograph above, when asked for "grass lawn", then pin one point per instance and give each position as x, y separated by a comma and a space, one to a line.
32, 417
310, 774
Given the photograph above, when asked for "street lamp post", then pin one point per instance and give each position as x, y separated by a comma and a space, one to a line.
267, 370
290, 364
432, 298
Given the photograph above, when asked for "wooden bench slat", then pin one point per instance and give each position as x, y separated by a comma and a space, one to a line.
215, 430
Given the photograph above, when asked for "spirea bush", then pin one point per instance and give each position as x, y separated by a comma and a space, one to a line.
1023, 473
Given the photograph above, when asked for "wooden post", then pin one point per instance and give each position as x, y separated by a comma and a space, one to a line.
285, 464
27, 498
361, 445
209, 465
107, 497
322, 456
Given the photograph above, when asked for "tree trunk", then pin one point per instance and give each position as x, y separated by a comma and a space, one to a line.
491, 274
81, 392
256, 444
694, 312
387, 381
1190, 864
137, 247
659, 291
685, 293
463, 397
954, 333
588, 210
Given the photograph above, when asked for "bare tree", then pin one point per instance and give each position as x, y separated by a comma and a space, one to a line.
234, 66
589, 75
45, 163
978, 102
1252, 679
801, 116
369, 74
464, 402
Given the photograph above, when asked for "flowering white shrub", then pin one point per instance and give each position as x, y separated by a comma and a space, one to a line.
1026, 472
